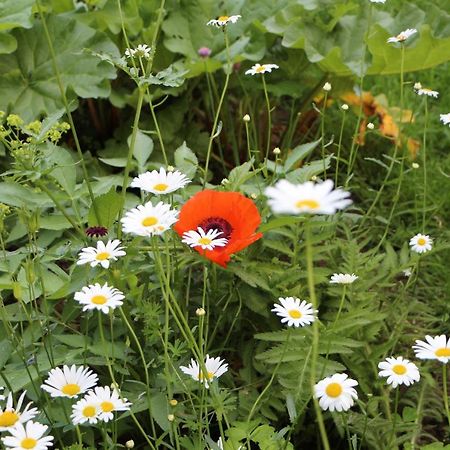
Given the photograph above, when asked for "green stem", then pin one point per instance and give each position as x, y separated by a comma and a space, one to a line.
322, 132
393, 439
219, 107
269, 117
425, 166
315, 340
444, 385
338, 158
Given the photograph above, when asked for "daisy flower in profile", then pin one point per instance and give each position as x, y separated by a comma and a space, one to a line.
224, 20
420, 90
437, 347
421, 243
101, 254
343, 278
445, 118
141, 51
107, 401
207, 241
309, 197
149, 220
161, 182
293, 312
30, 436
215, 367
403, 35
69, 381
231, 213
85, 410
336, 393
102, 298
377, 1
398, 371
11, 416
261, 68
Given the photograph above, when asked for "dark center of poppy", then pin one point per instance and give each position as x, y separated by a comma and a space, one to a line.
217, 223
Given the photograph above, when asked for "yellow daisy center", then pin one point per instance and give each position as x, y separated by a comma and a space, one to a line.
444, 351
421, 241
209, 376
204, 241
260, 69
333, 390
89, 411
307, 204
71, 389
99, 300
149, 221
107, 406
295, 313
223, 18
399, 369
161, 187
8, 418
28, 443
102, 256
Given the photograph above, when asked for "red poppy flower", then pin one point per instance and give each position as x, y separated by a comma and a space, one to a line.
231, 213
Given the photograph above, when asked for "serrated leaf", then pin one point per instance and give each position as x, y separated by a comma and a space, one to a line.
169, 77
108, 206
27, 79
13, 14
239, 175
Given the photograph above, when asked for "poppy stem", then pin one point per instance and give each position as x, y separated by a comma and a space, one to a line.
315, 340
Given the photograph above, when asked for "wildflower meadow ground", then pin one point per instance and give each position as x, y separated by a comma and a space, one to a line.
224, 225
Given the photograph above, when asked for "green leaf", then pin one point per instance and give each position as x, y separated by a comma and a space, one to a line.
143, 148
239, 175
186, 161
13, 14
299, 153
305, 173
108, 207
14, 194
169, 77
27, 79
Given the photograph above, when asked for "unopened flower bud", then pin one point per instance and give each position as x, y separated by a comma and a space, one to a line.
173, 402
253, 196
417, 86
276, 151
314, 178
170, 168
246, 118
345, 107
370, 126
170, 417
224, 181
129, 444
327, 87
204, 52
415, 165
200, 312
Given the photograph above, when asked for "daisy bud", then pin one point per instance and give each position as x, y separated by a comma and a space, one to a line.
253, 196
327, 87
370, 126
314, 178
276, 151
173, 402
345, 107
417, 86
129, 444
170, 168
246, 118
415, 165
200, 312
224, 181
170, 417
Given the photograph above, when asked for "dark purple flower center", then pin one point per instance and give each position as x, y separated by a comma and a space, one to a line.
96, 231
217, 223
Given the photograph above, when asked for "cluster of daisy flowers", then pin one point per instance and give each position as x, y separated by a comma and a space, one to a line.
98, 404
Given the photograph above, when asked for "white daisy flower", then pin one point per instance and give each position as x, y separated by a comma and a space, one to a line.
207, 241
149, 220
398, 371
102, 298
309, 197
11, 416
421, 243
403, 35
161, 182
420, 90
69, 381
445, 118
30, 436
261, 68
85, 410
343, 278
215, 367
141, 51
224, 20
107, 400
129, 52
336, 393
101, 254
293, 312
407, 272
437, 347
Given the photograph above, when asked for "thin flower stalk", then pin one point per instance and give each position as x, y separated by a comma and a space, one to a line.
269, 116
338, 158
